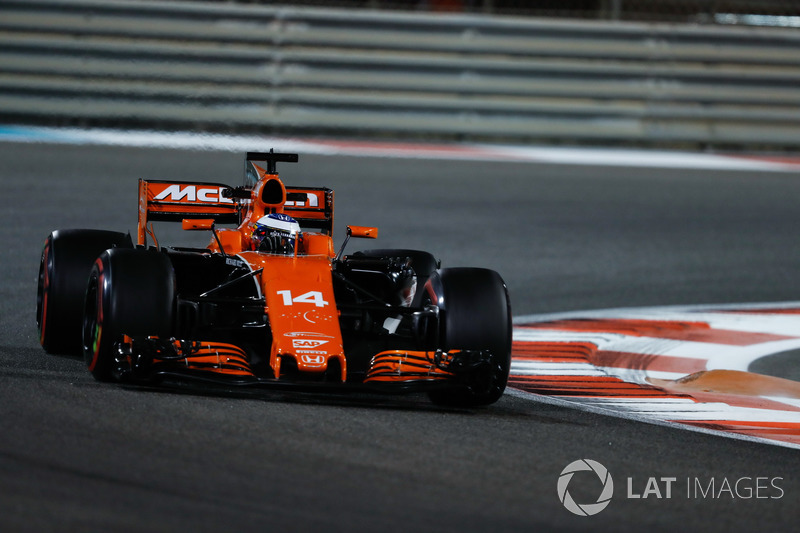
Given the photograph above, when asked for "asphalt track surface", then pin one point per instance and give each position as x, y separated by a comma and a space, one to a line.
76, 455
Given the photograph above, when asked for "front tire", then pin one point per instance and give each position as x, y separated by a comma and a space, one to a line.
475, 314
67, 258
130, 292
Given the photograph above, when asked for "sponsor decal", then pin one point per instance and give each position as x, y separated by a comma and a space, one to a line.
234, 262
311, 201
192, 193
307, 343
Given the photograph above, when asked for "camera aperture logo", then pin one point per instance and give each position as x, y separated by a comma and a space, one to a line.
585, 485
585, 509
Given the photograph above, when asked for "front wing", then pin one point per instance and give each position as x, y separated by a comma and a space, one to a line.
180, 363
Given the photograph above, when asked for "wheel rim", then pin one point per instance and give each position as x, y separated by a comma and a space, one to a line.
42, 290
92, 323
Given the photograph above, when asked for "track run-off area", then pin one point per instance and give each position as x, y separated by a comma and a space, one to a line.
656, 298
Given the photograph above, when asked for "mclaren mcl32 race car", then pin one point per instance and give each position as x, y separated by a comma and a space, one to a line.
270, 301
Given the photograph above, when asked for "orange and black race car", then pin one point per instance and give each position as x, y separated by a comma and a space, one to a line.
270, 302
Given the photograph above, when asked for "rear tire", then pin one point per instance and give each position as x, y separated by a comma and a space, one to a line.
130, 292
475, 314
67, 258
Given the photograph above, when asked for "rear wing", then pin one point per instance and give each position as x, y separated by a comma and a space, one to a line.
312, 207
174, 201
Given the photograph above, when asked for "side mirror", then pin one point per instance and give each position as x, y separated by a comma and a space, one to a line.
196, 224
363, 232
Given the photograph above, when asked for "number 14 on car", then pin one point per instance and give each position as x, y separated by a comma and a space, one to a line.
311, 297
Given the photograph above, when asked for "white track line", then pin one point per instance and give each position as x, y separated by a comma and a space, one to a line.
446, 151
628, 414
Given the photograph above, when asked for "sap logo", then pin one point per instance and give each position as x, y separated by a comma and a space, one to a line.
313, 359
190, 193
307, 343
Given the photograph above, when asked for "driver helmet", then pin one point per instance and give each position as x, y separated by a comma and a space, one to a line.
275, 233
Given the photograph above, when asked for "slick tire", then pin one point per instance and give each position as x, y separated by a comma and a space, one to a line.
130, 292
475, 314
67, 258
